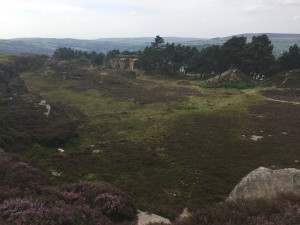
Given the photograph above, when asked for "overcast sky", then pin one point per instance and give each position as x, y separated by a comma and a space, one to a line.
90, 19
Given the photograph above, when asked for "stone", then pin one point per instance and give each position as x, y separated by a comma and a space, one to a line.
56, 174
60, 150
144, 218
96, 152
267, 183
48, 108
42, 102
256, 138
185, 214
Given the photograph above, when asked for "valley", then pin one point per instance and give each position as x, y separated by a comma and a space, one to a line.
168, 143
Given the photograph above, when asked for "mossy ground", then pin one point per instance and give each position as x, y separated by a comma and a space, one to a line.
169, 146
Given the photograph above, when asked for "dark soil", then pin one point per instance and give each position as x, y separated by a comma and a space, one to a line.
134, 90
184, 82
140, 94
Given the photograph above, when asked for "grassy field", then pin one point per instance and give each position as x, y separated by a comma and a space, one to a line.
169, 146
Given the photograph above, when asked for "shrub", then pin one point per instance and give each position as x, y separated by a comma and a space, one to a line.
24, 211
285, 210
26, 198
108, 199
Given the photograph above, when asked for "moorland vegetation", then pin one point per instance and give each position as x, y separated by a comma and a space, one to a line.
166, 140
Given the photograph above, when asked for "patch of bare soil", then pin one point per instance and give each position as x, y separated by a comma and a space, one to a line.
292, 95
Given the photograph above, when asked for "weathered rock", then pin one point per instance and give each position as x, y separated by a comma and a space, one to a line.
267, 183
145, 218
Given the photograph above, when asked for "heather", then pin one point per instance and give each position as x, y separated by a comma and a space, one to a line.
26, 198
284, 210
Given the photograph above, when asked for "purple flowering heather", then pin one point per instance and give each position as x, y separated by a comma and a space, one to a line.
26, 199
24, 211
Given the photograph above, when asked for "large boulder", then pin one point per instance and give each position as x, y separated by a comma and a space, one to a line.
267, 183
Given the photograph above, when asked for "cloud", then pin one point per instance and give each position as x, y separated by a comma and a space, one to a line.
133, 13
253, 8
40, 5
297, 18
125, 18
289, 2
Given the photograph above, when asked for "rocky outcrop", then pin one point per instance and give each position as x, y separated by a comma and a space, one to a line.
267, 183
229, 75
124, 62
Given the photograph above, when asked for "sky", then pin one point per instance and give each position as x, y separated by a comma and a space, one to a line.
91, 19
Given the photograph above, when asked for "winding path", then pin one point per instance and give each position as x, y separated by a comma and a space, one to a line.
283, 101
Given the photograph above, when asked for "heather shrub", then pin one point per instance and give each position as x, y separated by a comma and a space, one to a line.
285, 210
24, 211
26, 198
109, 200
16, 176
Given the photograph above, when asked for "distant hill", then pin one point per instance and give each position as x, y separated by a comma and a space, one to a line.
47, 46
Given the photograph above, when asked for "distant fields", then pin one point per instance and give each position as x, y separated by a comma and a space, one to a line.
47, 46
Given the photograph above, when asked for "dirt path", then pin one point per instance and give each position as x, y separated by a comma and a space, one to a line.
282, 101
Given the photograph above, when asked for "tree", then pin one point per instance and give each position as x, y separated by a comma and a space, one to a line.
64, 54
259, 55
209, 60
291, 59
232, 52
158, 42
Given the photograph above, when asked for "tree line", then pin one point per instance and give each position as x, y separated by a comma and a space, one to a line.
68, 53
254, 57
97, 58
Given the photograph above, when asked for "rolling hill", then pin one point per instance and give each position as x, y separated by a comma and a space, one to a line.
46, 46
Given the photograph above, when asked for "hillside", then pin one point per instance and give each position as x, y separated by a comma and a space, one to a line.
46, 46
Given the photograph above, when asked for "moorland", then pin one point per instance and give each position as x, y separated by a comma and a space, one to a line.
169, 142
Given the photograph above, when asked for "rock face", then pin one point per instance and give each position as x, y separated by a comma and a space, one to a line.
267, 183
